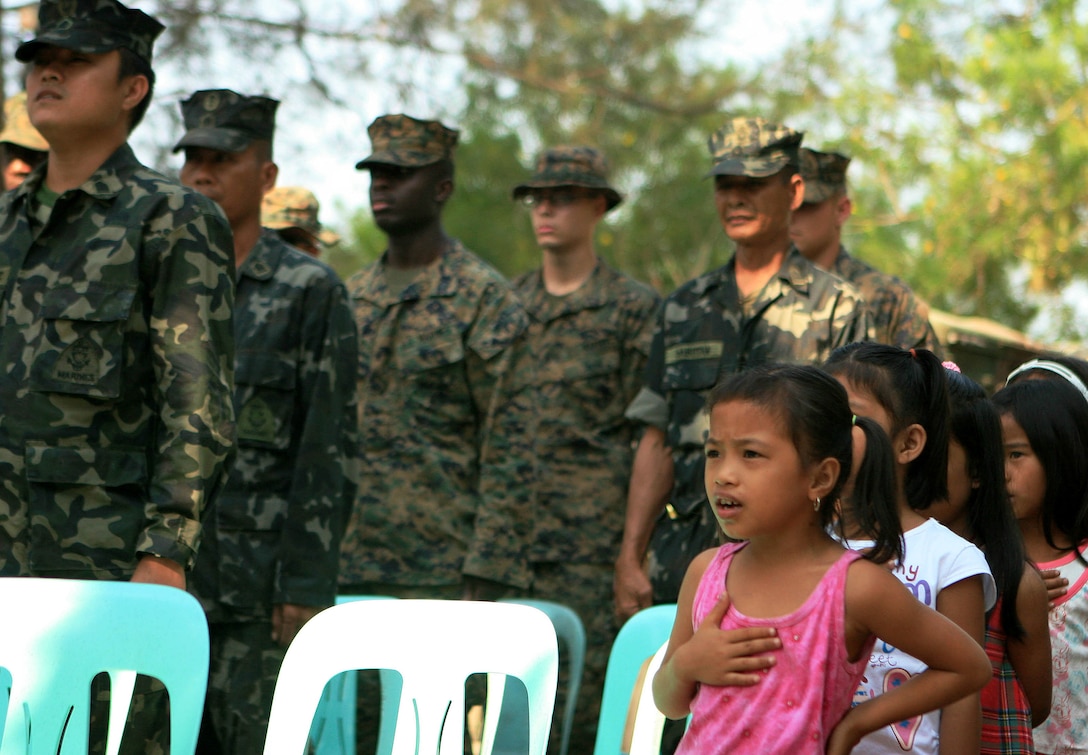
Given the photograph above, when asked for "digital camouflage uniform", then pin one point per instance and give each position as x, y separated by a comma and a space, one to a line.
704, 335
899, 318
445, 475
117, 420
287, 207
273, 536
588, 349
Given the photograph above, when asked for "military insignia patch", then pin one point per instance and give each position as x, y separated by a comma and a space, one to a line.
685, 352
80, 363
256, 422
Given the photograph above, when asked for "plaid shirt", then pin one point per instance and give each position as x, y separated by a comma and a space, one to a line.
1006, 713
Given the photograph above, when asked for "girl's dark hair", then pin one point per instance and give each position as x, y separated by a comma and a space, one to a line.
815, 411
976, 426
1054, 417
912, 388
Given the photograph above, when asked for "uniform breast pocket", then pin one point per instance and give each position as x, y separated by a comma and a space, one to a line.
80, 349
435, 382
265, 399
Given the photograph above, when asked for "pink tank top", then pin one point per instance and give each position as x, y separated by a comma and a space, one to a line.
810, 688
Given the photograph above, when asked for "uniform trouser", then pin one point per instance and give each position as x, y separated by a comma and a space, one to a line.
147, 728
245, 663
586, 588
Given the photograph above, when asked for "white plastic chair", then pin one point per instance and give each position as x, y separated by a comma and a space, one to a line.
435, 645
649, 722
58, 634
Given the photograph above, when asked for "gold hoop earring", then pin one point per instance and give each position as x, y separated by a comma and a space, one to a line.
816, 504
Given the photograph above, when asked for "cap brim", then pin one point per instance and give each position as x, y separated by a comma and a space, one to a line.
222, 139
760, 168
612, 197
82, 41
391, 158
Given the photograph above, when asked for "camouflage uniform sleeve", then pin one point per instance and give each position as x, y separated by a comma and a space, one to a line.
851, 320
192, 346
323, 485
912, 328
650, 406
496, 364
638, 335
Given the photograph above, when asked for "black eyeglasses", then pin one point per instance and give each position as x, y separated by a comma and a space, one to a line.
558, 198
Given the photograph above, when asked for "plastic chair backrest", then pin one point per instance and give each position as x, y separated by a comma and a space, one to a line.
435, 645
638, 639
58, 634
504, 732
333, 728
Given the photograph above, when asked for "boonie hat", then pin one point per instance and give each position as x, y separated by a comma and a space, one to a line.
752, 147
408, 142
295, 207
571, 166
91, 26
226, 121
824, 174
18, 129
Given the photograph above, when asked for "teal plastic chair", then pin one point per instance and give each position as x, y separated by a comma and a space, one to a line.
58, 634
506, 733
333, 728
638, 640
435, 645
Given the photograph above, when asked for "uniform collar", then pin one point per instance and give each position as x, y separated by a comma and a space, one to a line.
262, 261
105, 183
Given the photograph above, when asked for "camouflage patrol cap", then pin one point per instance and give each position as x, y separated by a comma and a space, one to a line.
18, 129
571, 166
408, 142
752, 147
92, 26
225, 120
295, 207
824, 174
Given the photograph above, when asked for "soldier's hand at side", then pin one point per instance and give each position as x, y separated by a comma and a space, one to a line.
1056, 584
287, 619
632, 590
726, 658
159, 571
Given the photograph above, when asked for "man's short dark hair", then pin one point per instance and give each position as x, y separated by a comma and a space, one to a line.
133, 65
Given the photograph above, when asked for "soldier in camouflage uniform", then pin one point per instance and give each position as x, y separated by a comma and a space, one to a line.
116, 338
589, 334
272, 541
291, 211
899, 317
446, 471
767, 304
22, 148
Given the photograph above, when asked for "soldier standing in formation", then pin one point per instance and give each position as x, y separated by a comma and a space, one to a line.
116, 337
23, 147
767, 304
899, 317
272, 541
292, 212
589, 335
445, 438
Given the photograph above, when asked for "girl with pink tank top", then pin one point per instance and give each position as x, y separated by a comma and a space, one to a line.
772, 634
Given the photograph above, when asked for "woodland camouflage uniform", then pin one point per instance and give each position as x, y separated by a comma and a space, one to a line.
705, 333
899, 317
588, 350
118, 356
273, 536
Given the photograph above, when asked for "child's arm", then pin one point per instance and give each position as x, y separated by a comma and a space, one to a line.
1030, 657
710, 655
877, 603
961, 721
